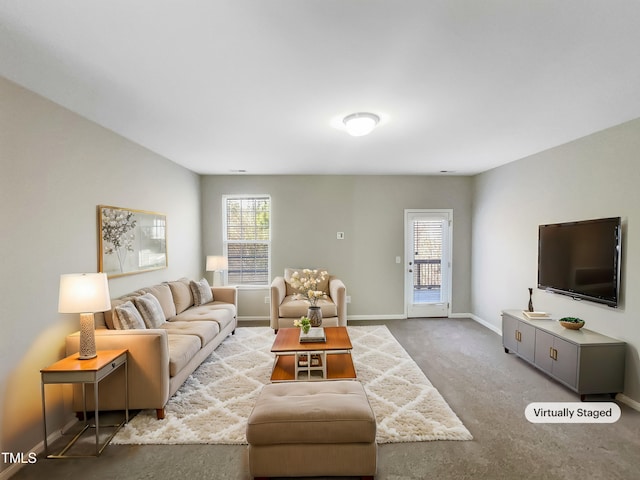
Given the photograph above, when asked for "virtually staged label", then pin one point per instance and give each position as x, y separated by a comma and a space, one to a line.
572, 412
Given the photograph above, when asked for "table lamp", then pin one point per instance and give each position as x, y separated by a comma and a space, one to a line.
216, 264
84, 293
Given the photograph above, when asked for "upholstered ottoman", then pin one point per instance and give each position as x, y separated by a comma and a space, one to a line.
321, 428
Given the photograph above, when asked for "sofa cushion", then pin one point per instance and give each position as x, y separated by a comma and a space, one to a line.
201, 292
312, 412
150, 309
220, 313
127, 317
204, 330
182, 348
182, 296
163, 294
292, 307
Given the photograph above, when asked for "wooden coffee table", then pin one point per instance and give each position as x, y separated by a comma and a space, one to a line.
330, 360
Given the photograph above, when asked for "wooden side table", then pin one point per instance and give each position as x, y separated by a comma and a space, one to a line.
74, 370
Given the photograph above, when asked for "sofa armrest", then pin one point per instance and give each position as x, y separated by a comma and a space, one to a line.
147, 365
278, 291
226, 295
338, 293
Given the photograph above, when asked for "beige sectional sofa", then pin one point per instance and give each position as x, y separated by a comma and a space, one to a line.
181, 326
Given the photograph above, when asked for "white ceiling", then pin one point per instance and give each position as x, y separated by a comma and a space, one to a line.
256, 85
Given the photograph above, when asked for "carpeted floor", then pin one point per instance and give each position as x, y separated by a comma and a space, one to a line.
488, 390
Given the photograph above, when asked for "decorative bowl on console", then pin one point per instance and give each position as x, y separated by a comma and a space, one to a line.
572, 323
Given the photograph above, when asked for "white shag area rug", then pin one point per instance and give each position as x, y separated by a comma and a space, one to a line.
213, 405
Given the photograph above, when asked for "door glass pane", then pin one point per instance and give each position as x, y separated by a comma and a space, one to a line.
427, 261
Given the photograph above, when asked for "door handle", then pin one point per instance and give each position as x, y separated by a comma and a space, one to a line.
411, 270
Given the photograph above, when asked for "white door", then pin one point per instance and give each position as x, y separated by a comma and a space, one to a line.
428, 242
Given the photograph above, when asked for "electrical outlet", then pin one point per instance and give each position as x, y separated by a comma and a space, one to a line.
348, 299
266, 299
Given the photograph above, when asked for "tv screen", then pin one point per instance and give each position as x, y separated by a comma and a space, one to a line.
581, 259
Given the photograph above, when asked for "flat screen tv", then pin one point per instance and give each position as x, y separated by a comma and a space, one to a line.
581, 259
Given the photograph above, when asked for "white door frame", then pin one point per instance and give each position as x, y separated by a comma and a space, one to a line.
442, 308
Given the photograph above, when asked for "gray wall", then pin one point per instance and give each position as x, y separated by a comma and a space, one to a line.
56, 167
593, 177
307, 211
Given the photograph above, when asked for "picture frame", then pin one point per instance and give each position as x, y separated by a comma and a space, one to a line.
130, 241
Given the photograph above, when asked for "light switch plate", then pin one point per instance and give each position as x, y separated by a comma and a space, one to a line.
340, 235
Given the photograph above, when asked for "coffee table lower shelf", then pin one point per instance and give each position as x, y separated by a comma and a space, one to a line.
339, 367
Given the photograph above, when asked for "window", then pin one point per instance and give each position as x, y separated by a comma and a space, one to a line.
247, 238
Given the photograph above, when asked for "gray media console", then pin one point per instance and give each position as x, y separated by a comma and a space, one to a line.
583, 360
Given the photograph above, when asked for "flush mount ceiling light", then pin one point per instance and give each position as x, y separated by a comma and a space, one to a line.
359, 124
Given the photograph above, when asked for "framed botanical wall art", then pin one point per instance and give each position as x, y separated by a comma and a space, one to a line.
130, 241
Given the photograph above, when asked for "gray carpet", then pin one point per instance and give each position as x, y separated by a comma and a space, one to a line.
488, 390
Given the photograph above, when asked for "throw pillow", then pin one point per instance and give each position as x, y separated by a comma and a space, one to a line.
127, 317
150, 309
163, 293
201, 292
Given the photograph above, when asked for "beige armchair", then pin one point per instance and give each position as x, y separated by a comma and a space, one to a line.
286, 307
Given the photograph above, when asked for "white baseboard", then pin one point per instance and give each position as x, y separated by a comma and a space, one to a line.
38, 449
376, 317
482, 322
7, 473
628, 401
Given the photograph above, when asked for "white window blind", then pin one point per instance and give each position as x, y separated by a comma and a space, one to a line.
247, 238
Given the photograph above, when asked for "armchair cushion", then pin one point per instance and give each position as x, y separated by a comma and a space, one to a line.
292, 307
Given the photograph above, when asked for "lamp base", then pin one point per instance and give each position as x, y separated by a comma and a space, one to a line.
87, 337
218, 278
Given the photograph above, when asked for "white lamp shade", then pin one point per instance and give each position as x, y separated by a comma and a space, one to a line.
359, 124
84, 293
215, 263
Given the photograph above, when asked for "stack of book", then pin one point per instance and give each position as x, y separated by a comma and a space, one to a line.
315, 334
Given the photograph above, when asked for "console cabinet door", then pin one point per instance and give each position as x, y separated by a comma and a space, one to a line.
527, 345
565, 366
544, 351
518, 337
557, 357
509, 333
